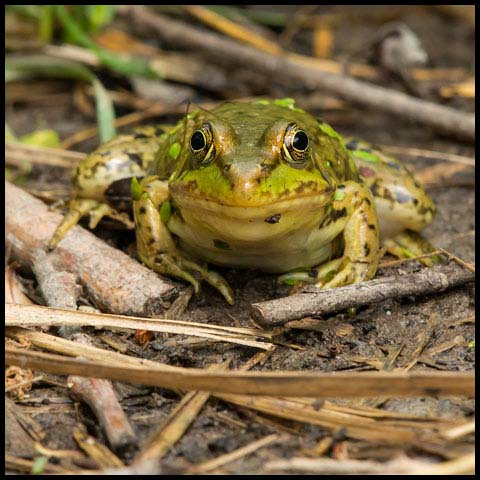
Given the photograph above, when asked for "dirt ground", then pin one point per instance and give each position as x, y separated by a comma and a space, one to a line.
373, 332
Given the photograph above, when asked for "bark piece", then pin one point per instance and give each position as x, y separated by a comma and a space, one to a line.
115, 282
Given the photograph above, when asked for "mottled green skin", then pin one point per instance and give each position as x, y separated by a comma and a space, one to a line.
250, 205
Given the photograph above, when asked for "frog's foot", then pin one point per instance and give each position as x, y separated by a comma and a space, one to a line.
410, 244
178, 266
80, 207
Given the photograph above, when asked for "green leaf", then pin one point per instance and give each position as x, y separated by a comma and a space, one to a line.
28, 66
76, 35
45, 23
99, 16
105, 113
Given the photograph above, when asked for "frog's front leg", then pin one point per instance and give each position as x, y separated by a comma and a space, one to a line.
360, 235
155, 245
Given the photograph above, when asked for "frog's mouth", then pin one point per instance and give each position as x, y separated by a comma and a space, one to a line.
252, 209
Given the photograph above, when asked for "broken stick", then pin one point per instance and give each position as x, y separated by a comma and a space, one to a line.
315, 302
115, 282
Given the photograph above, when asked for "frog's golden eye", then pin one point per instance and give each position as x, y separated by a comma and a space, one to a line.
295, 144
202, 144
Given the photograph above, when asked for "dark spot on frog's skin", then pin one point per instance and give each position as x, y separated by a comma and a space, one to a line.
368, 202
417, 184
366, 150
107, 153
415, 201
394, 165
274, 218
159, 130
142, 210
151, 242
135, 157
366, 172
371, 226
313, 273
402, 197
138, 136
352, 144
221, 244
336, 214
366, 249
388, 194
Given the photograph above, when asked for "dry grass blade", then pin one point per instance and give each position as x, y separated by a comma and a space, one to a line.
402, 465
333, 417
30, 316
235, 455
98, 452
311, 384
459, 431
17, 464
232, 29
16, 154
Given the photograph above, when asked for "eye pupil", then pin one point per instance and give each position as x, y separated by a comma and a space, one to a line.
300, 141
198, 141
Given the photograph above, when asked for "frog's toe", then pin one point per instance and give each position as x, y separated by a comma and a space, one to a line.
409, 244
77, 209
346, 273
104, 210
169, 265
213, 278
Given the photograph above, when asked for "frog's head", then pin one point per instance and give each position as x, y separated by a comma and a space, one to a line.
265, 156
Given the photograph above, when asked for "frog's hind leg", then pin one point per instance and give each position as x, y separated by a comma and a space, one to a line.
81, 207
410, 244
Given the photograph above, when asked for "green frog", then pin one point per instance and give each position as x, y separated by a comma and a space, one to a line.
261, 185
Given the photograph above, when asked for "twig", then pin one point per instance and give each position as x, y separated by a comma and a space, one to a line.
315, 302
16, 154
100, 396
462, 263
302, 70
420, 152
100, 268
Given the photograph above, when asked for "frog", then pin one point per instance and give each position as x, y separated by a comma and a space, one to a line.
254, 185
